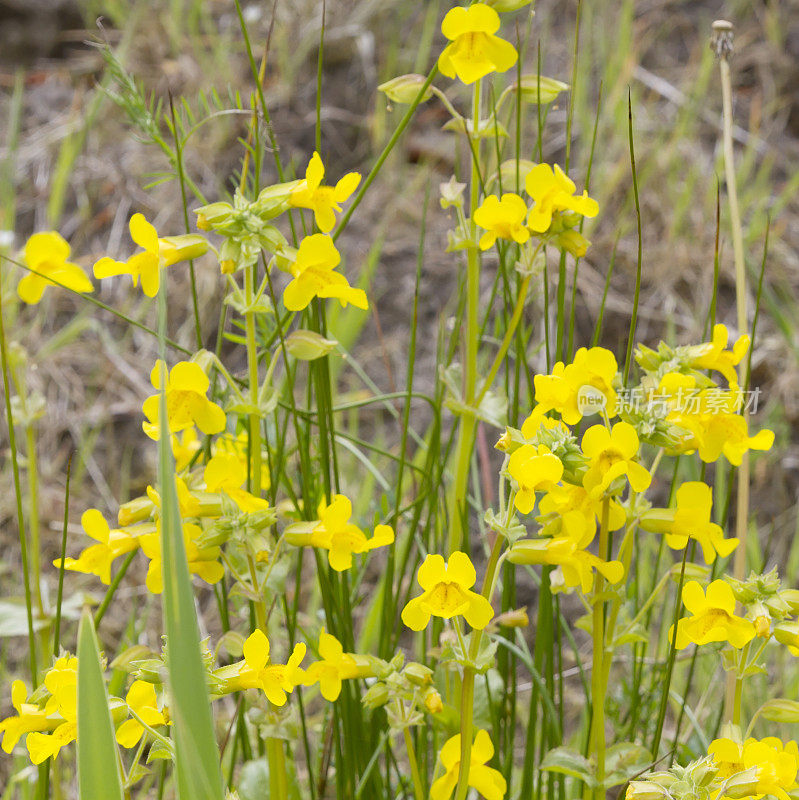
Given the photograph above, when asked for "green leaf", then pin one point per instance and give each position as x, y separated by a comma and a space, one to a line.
623, 760
568, 762
98, 757
197, 769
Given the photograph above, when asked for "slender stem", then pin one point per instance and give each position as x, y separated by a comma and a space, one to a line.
418, 790
598, 685
468, 424
723, 50
467, 687
278, 779
252, 371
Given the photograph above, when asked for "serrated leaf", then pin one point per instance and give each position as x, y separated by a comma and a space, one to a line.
98, 758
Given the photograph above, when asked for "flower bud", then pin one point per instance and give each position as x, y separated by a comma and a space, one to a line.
645, 790
742, 784
376, 695
433, 702
308, 345
763, 627
507, 5
182, 248
517, 618
418, 674
404, 88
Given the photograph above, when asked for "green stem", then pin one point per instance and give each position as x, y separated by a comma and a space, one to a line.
278, 779
252, 372
598, 685
468, 424
467, 687
418, 790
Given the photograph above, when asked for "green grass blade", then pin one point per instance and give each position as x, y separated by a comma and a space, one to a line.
98, 757
197, 768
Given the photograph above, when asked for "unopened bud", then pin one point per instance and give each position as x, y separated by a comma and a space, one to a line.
404, 89
418, 674
514, 619
763, 627
433, 702
308, 345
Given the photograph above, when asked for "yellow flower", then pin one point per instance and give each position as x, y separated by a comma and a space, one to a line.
62, 683
158, 253
142, 700
726, 434
584, 386
487, 781
202, 560
713, 355
238, 446
335, 666
776, 763
336, 534
692, 520
474, 51
322, 200
185, 448
274, 680
42, 746
611, 455
314, 276
447, 593
553, 191
97, 559
225, 473
186, 401
29, 718
568, 552
502, 219
47, 253
188, 504
567, 497
534, 469
713, 617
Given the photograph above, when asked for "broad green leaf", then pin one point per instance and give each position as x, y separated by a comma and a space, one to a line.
197, 769
98, 757
568, 762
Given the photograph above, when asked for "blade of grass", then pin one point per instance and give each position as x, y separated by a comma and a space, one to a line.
98, 757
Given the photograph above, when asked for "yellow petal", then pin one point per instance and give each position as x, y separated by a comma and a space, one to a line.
414, 616
30, 288
48, 247
460, 570
143, 233
256, 650
432, 571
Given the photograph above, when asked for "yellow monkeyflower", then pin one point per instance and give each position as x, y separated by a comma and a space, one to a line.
188, 504
551, 191
724, 433
474, 51
42, 746
714, 355
62, 683
567, 497
713, 617
567, 551
47, 253
534, 469
238, 446
141, 699
691, 520
582, 387
486, 780
502, 219
225, 473
29, 718
776, 763
335, 665
315, 276
336, 534
158, 253
322, 200
611, 454
186, 401
97, 559
447, 593
185, 449
202, 560
274, 680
